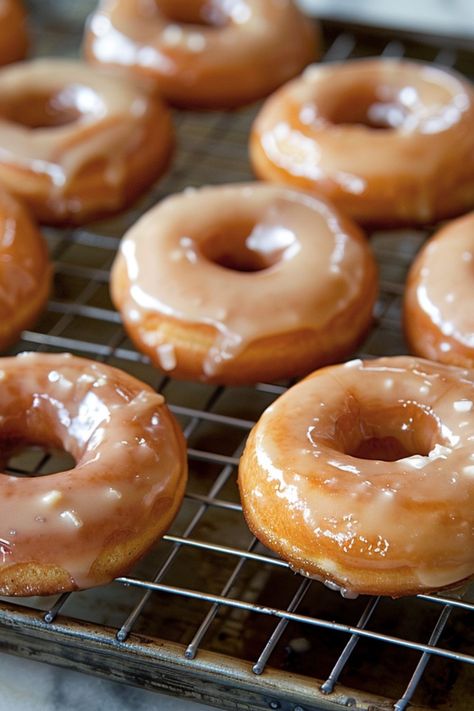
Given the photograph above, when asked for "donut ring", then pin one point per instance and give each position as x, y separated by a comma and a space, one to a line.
439, 296
75, 143
204, 53
362, 476
233, 284
25, 271
322, 132
82, 527
13, 34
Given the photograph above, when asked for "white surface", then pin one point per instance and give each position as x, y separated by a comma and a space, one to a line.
442, 17
26, 685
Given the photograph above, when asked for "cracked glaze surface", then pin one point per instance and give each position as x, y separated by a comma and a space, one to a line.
130, 468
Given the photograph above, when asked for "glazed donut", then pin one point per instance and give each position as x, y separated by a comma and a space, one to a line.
75, 143
362, 476
439, 296
13, 34
233, 284
80, 528
25, 270
204, 53
390, 142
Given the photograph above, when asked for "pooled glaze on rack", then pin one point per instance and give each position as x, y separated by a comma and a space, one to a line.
13, 32
439, 296
363, 474
388, 141
250, 261
85, 525
25, 270
60, 120
208, 53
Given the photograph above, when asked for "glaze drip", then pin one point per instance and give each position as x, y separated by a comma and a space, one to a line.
181, 258
103, 121
129, 462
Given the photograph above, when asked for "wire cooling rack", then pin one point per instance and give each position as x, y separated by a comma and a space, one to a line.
210, 614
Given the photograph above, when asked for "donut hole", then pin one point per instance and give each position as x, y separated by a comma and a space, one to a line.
49, 110
387, 434
397, 95
387, 449
367, 106
203, 13
23, 459
249, 247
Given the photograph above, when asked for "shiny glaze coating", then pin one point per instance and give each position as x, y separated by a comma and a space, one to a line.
242, 282
204, 53
25, 270
362, 475
388, 141
439, 296
13, 33
75, 142
82, 527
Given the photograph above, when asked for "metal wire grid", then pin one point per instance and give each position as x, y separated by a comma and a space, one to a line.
80, 319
